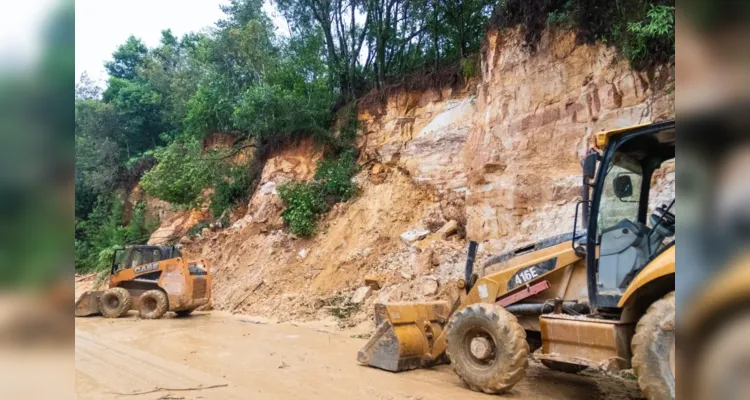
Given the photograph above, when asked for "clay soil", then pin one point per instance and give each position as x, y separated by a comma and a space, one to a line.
220, 356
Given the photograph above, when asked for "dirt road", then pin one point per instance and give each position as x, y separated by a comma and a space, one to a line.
231, 357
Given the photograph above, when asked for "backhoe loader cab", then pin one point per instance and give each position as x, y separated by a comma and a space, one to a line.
620, 204
601, 296
152, 280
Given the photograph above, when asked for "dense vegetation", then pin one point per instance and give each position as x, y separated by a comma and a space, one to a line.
267, 87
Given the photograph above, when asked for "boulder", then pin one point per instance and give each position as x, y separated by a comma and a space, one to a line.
448, 229
414, 235
374, 282
360, 295
302, 254
429, 287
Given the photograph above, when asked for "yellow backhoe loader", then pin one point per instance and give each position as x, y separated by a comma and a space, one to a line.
598, 297
152, 280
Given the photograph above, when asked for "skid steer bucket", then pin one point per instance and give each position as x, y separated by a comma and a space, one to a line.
88, 304
404, 335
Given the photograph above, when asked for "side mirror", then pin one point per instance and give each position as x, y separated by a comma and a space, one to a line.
589, 165
623, 186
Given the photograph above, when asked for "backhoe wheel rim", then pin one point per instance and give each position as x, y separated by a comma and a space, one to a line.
481, 347
149, 303
113, 302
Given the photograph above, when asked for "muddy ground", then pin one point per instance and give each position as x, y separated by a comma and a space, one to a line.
221, 356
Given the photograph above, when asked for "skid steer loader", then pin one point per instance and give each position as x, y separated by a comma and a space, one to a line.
152, 280
598, 297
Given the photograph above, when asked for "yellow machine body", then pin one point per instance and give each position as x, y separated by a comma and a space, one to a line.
187, 284
554, 273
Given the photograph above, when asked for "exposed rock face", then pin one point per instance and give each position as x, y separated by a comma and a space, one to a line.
294, 162
515, 147
422, 132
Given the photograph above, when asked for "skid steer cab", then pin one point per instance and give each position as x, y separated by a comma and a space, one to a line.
601, 296
152, 280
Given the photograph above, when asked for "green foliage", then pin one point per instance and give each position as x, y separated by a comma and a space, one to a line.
208, 110
656, 30
347, 133
469, 67
229, 190
272, 114
149, 124
642, 31
196, 229
103, 231
126, 58
334, 175
304, 202
180, 175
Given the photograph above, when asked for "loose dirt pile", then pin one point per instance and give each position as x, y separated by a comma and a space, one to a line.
261, 269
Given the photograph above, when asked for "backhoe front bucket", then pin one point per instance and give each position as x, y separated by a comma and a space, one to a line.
405, 335
88, 304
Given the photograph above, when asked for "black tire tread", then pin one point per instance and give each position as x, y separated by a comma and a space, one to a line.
126, 302
162, 304
647, 365
516, 349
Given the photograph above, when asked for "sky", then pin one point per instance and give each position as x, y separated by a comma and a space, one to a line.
102, 25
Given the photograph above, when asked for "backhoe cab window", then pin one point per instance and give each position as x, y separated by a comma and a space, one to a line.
119, 260
621, 193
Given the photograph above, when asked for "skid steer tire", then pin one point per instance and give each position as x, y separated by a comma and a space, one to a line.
153, 304
184, 313
560, 366
487, 348
653, 348
115, 303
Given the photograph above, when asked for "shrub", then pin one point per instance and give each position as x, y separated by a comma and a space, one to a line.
196, 229
655, 33
181, 174
335, 176
304, 202
469, 67
98, 236
229, 190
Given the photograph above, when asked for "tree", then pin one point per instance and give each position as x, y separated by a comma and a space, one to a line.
344, 35
87, 89
126, 58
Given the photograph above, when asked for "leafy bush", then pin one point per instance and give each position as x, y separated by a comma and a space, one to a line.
656, 31
97, 237
196, 229
469, 67
229, 190
181, 174
273, 114
304, 202
334, 175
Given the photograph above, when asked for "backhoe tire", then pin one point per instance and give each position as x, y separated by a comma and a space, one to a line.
154, 304
654, 349
560, 366
487, 348
184, 313
115, 303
